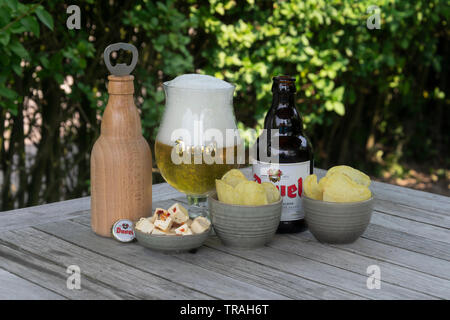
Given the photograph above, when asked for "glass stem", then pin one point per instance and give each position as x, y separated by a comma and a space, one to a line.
198, 206
196, 201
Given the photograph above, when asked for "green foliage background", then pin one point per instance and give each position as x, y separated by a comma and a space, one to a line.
375, 99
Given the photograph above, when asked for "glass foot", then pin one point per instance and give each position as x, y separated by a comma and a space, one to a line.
198, 206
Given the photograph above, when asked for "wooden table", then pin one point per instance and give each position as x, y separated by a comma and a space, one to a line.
408, 239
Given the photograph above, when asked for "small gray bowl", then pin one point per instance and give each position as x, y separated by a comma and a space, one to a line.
337, 222
244, 226
172, 243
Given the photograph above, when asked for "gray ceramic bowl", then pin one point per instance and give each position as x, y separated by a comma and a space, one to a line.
244, 226
336, 222
171, 243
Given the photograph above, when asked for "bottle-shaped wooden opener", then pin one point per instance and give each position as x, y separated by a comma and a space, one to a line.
121, 160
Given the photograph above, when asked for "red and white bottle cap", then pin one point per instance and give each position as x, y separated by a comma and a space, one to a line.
123, 231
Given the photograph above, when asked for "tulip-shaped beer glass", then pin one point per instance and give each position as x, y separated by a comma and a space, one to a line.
197, 141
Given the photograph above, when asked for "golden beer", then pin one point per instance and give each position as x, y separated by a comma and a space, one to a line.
191, 178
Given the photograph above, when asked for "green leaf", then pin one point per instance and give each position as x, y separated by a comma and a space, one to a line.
44, 61
82, 63
339, 108
45, 17
329, 105
4, 38
13, 111
17, 69
338, 93
8, 93
335, 106
59, 78
5, 16
31, 24
18, 28
310, 51
12, 4
18, 49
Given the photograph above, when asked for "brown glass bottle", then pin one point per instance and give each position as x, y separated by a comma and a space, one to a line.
289, 161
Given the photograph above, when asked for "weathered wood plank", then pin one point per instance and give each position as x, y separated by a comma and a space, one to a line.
16, 288
419, 215
407, 241
408, 238
293, 286
319, 272
413, 198
196, 277
57, 211
390, 273
116, 274
163, 191
52, 276
247, 271
412, 227
32, 218
383, 252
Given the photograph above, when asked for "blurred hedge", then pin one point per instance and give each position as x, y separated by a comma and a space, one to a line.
376, 99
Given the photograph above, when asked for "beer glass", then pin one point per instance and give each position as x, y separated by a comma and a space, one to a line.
194, 145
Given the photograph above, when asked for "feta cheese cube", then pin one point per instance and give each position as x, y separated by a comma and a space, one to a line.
179, 213
171, 232
158, 212
144, 225
200, 225
164, 222
183, 230
157, 231
153, 218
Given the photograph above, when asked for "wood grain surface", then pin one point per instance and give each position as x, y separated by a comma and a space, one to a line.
408, 238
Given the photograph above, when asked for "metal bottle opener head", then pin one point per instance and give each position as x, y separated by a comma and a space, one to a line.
120, 69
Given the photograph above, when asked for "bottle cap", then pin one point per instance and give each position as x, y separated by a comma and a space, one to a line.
283, 83
123, 231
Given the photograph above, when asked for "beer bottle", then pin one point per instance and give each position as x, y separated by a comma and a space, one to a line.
290, 160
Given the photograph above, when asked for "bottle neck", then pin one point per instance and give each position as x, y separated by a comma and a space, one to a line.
283, 98
283, 114
121, 118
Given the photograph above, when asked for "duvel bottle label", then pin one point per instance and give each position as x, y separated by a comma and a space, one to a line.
289, 179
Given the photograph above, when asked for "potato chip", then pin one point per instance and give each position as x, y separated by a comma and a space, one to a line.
234, 177
340, 188
234, 173
233, 181
272, 193
312, 189
250, 193
354, 174
322, 183
225, 192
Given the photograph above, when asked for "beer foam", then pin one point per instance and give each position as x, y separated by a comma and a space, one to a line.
198, 81
197, 103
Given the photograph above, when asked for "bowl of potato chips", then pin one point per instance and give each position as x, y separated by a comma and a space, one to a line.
244, 214
338, 208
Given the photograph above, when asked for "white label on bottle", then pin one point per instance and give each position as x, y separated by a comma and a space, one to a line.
288, 178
